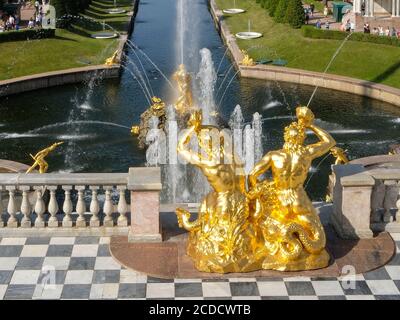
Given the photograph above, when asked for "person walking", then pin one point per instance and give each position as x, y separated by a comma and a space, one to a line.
326, 11
393, 32
307, 18
312, 7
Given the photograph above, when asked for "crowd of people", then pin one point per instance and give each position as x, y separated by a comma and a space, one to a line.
9, 22
380, 31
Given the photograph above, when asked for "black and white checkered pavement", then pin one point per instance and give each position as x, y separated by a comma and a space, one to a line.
82, 268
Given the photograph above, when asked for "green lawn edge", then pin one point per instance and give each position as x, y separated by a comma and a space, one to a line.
366, 61
66, 50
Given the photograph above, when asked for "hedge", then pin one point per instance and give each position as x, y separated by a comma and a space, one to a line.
70, 7
315, 33
28, 34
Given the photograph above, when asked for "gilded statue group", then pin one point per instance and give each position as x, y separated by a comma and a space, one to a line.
248, 223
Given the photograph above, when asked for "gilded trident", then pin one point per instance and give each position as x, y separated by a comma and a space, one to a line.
39, 158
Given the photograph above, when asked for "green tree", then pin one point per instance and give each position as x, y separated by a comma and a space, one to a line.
271, 6
263, 3
59, 5
1, 4
295, 13
280, 11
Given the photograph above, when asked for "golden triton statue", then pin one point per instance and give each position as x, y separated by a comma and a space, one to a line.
157, 109
340, 155
112, 60
221, 239
39, 158
247, 61
273, 225
292, 231
185, 99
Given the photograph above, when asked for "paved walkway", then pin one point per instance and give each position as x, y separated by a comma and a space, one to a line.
82, 268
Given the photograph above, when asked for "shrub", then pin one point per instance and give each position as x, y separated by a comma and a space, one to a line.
314, 33
295, 13
69, 7
280, 11
271, 6
27, 34
265, 4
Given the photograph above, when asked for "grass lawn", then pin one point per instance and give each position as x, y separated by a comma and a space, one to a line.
367, 61
68, 49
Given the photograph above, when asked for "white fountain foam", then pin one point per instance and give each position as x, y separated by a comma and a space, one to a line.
272, 104
207, 78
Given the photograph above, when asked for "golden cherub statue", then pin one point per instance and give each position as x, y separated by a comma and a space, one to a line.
39, 158
273, 225
340, 155
185, 100
247, 61
157, 109
113, 59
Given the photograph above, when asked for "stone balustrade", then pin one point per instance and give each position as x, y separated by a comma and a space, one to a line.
366, 200
81, 203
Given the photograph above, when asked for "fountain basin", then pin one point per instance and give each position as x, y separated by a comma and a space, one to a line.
233, 11
104, 35
116, 11
247, 35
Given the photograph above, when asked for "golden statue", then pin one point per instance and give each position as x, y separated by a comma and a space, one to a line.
157, 109
292, 231
39, 158
185, 99
273, 225
113, 59
247, 61
221, 239
340, 155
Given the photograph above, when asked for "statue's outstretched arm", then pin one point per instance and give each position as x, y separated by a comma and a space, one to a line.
190, 155
324, 145
183, 149
263, 165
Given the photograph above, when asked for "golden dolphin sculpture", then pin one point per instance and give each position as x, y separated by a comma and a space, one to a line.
273, 225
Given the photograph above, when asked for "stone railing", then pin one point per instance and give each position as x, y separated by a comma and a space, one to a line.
385, 200
366, 200
81, 203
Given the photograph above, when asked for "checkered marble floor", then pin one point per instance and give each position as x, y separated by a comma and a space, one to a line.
82, 268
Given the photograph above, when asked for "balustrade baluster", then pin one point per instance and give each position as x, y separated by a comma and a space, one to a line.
53, 208
398, 202
122, 207
12, 221
390, 199
108, 208
94, 208
80, 208
40, 207
25, 207
67, 207
1, 208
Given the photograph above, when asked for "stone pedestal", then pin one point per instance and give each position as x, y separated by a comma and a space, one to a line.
145, 185
352, 202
